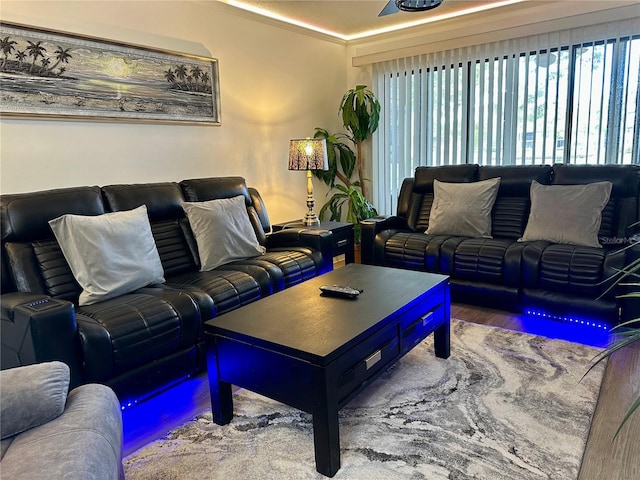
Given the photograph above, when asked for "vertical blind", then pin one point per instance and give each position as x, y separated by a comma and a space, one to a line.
563, 97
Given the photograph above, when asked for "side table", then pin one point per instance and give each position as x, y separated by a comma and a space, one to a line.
343, 239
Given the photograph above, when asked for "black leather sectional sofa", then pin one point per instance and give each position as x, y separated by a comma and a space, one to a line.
141, 341
557, 280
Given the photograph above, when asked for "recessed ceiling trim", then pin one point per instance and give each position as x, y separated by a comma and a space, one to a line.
369, 33
560, 18
282, 18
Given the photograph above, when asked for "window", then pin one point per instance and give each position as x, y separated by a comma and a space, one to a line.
538, 100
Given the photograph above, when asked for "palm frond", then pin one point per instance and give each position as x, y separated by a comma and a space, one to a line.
634, 406
631, 270
627, 332
607, 352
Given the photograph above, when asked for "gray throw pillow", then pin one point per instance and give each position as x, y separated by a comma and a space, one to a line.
110, 254
223, 231
567, 213
463, 209
31, 396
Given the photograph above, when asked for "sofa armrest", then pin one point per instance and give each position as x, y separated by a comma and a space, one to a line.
84, 442
370, 228
36, 328
32, 396
320, 240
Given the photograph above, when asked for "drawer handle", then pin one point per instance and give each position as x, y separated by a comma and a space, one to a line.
342, 243
422, 322
372, 359
426, 317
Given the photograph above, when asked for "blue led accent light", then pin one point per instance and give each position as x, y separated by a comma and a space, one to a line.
178, 401
129, 403
589, 322
573, 328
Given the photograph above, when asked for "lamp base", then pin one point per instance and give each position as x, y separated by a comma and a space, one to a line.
310, 220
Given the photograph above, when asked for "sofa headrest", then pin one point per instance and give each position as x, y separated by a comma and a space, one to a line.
205, 189
516, 180
625, 178
25, 216
425, 176
162, 199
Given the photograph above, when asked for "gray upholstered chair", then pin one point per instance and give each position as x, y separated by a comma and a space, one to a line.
49, 434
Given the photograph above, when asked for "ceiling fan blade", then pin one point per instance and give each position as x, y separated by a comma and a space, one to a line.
389, 9
417, 5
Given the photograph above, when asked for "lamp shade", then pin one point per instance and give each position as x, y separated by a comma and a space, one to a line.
308, 154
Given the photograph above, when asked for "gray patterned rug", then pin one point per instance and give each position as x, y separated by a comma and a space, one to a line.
505, 405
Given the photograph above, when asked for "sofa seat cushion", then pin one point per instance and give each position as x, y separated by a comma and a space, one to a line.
229, 289
297, 264
416, 251
123, 333
277, 270
407, 250
482, 259
269, 277
571, 268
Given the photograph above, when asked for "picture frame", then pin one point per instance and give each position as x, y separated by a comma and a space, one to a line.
52, 74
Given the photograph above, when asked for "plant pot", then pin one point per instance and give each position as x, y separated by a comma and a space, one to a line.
356, 253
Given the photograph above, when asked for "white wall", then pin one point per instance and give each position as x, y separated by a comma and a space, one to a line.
275, 84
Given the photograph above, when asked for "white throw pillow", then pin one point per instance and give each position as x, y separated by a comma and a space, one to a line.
223, 231
567, 213
463, 209
110, 254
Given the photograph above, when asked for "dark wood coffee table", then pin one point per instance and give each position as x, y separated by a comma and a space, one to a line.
316, 353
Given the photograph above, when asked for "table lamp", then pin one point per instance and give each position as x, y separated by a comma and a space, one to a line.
308, 154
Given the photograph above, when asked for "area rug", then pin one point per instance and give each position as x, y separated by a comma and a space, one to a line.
505, 405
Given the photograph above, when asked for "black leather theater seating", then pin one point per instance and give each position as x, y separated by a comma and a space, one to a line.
141, 341
499, 272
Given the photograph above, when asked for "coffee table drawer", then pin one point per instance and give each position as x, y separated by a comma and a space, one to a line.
366, 359
420, 322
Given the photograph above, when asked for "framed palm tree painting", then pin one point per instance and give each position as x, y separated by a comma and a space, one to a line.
62, 75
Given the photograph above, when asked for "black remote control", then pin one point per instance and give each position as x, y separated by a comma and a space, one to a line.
339, 291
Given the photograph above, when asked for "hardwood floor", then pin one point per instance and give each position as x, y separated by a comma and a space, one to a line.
604, 457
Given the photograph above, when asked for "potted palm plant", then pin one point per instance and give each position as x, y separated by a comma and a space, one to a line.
360, 111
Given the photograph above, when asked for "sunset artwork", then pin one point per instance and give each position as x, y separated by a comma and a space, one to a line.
62, 75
